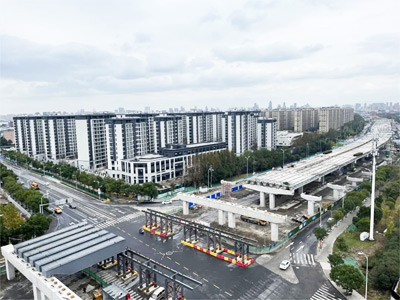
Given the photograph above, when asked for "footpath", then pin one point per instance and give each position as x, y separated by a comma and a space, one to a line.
327, 249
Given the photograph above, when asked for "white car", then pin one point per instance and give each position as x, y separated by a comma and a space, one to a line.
167, 202
284, 265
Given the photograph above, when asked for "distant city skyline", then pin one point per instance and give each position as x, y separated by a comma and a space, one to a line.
204, 54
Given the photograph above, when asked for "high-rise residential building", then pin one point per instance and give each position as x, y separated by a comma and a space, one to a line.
91, 140
284, 118
201, 127
266, 133
305, 119
46, 137
239, 130
334, 117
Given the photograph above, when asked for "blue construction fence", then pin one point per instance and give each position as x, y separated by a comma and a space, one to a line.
218, 194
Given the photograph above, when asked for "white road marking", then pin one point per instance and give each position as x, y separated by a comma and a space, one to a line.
289, 245
300, 248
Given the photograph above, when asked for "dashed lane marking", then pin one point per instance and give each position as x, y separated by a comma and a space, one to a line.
205, 279
161, 253
229, 294
216, 286
141, 241
186, 268
147, 245
177, 263
195, 274
169, 258
154, 249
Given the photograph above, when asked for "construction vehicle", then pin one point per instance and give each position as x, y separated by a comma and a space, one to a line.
253, 220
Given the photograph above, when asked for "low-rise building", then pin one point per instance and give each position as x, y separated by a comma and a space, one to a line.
286, 138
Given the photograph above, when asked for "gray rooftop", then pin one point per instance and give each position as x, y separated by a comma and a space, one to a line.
71, 249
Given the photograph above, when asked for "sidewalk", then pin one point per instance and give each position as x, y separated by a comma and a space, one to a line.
327, 249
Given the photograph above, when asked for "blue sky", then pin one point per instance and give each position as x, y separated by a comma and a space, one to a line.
101, 55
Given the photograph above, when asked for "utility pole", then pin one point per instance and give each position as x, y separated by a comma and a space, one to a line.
371, 221
283, 157
247, 157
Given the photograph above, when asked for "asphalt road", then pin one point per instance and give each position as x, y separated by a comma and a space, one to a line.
219, 279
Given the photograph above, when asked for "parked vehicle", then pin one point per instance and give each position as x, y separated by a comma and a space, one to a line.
167, 202
253, 220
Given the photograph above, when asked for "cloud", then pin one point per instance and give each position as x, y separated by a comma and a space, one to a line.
210, 17
269, 53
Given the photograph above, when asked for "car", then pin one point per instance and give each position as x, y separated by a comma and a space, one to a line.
141, 231
71, 223
58, 210
167, 202
284, 265
72, 205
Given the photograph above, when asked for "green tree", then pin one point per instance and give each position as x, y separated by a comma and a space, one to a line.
320, 233
35, 226
338, 215
11, 217
335, 259
363, 224
341, 244
348, 277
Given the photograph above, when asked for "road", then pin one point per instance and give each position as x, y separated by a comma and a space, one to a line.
220, 280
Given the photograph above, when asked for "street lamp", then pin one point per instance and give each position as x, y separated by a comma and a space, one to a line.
283, 157
98, 188
210, 169
366, 275
247, 157
320, 215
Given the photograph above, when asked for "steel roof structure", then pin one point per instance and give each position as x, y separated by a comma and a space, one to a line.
70, 250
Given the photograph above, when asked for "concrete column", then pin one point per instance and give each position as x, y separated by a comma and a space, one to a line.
185, 207
310, 210
335, 195
274, 232
323, 179
262, 199
301, 190
221, 217
10, 270
231, 220
35, 293
271, 201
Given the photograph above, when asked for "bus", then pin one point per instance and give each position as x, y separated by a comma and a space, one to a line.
253, 220
34, 185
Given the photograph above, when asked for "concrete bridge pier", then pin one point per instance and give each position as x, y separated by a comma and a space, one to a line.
10, 269
354, 180
262, 199
231, 220
271, 201
185, 207
274, 232
301, 190
311, 200
221, 217
338, 190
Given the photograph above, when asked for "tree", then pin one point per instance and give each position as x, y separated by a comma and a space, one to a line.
363, 224
348, 277
320, 233
335, 259
338, 215
11, 217
341, 244
386, 270
35, 226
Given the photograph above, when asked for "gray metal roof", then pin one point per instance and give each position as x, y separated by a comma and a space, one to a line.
71, 249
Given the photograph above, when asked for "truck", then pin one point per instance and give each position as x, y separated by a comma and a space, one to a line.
253, 220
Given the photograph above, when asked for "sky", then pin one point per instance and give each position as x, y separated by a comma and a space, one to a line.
100, 55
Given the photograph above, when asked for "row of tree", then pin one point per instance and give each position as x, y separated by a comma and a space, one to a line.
213, 167
14, 228
29, 198
107, 185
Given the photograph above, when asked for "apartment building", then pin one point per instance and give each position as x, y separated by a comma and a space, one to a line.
201, 127
334, 117
266, 133
284, 118
46, 137
306, 119
91, 133
239, 130
169, 130
173, 161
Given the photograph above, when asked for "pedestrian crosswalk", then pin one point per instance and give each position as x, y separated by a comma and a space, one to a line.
118, 220
302, 259
324, 293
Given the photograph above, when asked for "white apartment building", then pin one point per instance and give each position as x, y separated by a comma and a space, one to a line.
266, 133
201, 127
239, 130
